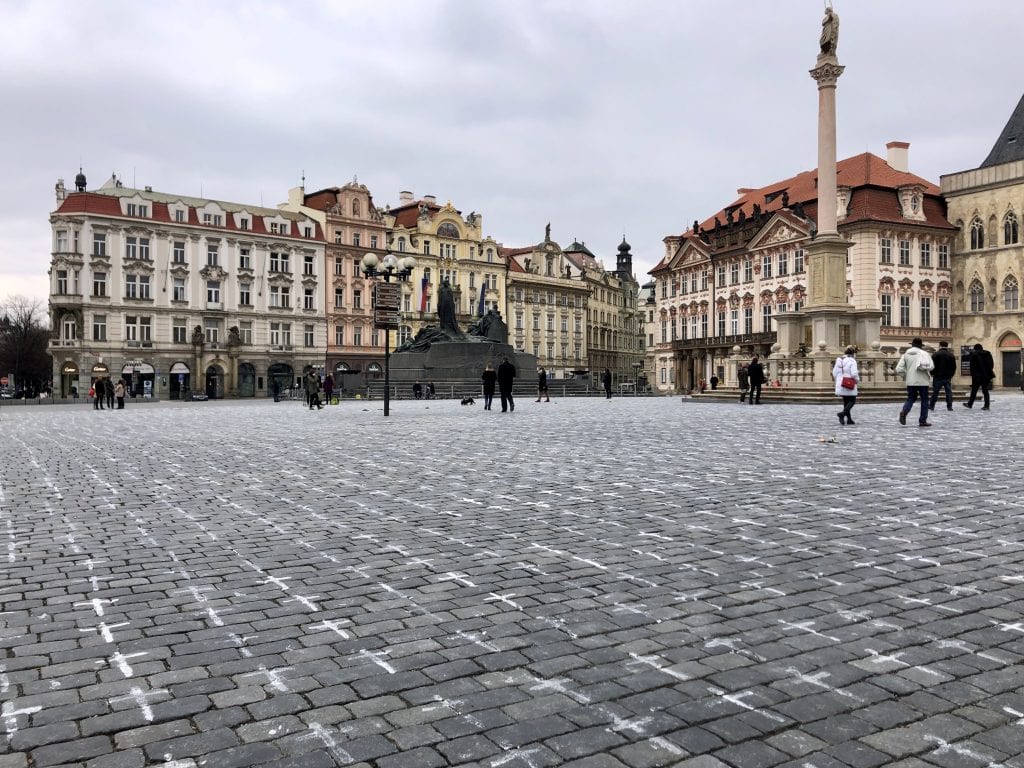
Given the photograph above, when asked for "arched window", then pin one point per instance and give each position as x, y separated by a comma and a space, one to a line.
977, 235
401, 245
448, 230
977, 297
1011, 232
1011, 294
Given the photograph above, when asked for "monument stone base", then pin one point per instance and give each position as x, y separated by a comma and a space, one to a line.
458, 361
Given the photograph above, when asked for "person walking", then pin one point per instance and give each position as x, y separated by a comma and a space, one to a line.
743, 379
915, 367
755, 374
506, 378
714, 382
942, 375
982, 373
119, 394
98, 394
542, 385
328, 388
847, 377
275, 387
108, 388
313, 390
490, 379
606, 381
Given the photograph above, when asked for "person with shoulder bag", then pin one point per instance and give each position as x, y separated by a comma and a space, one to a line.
847, 377
915, 367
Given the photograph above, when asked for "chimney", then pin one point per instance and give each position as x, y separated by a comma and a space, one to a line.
60, 189
898, 156
432, 199
405, 197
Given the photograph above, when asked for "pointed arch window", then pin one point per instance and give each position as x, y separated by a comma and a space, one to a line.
1011, 230
1011, 293
977, 235
977, 297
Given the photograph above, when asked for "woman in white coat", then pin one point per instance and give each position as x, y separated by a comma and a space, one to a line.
845, 372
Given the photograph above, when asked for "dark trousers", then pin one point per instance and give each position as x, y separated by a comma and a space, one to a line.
913, 393
110, 400
848, 402
507, 403
314, 400
120, 403
755, 394
97, 403
488, 398
608, 391
985, 386
942, 385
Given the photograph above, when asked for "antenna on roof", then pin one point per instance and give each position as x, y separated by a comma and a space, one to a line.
303, 179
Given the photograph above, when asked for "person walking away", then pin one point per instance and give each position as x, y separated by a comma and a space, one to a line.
328, 388
942, 375
755, 373
276, 389
542, 386
982, 373
743, 378
313, 390
847, 377
606, 380
915, 367
714, 382
119, 394
506, 378
98, 394
490, 379
108, 387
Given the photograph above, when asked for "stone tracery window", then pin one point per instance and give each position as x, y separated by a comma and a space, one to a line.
1011, 293
977, 234
1011, 231
977, 293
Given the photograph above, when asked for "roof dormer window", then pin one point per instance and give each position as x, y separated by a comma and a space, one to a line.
275, 228
179, 216
243, 223
207, 218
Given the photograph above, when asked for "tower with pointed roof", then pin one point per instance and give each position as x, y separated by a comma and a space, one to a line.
987, 205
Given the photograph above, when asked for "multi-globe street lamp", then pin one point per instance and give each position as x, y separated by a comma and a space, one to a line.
387, 303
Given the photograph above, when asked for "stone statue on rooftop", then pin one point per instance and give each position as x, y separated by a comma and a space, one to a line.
829, 41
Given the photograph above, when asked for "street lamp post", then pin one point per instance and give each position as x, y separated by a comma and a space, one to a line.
387, 303
636, 378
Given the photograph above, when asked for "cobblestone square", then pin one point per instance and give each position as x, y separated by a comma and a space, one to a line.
637, 582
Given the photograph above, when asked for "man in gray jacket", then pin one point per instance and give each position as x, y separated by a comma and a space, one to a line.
915, 366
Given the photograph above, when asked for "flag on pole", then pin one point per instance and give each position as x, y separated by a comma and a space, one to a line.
424, 284
480, 309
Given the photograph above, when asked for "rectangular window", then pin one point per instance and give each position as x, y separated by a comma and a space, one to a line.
207, 218
734, 273
280, 296
244, 258
99, 284
943, 312
536, 322
307, 265
99, 327
62, 241
130, 248
212, 332
338, 234
245, 331
926, 254
144, 248
943, 257
145, 329
693, 327
131, 209
734, 322
308, 299
99, 245
245, 294
339, 298
904, 253
131, 330
766, 318
748, 271
356, 239
243, 223
339, 267
766, 266
783, 264
308, 336
178, 291
886, 309
179, 216
721, 275
886, 248
721, 323
357, 335
798, 261
357, 299
179, 330
339, 335
212, 255
357, 269
275, 334
374, 338
144, 287
178, 252
926, 312
693, 282
748, 319
904, 311
426, 247
373, 241
217, 220
131, 287
704, 277
551, 322
213, 292
62, 282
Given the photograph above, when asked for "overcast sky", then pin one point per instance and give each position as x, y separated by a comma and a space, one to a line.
603, 118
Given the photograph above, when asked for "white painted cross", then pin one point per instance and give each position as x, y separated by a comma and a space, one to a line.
139, 696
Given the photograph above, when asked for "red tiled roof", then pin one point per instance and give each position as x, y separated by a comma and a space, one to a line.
88, 202
409, 214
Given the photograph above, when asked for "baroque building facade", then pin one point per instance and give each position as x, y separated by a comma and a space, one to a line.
722, 281
173, 293
353, 227
987, 205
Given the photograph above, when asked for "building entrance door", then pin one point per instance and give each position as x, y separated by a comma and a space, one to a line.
214, 382
1011, 369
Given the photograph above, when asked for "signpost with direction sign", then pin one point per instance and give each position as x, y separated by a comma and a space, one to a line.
387, 302
387, 305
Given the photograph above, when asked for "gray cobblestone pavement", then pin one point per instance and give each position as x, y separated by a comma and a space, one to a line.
589, 583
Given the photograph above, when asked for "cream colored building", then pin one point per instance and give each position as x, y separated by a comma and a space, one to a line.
722, 281
987, 205
447, 246
175, 294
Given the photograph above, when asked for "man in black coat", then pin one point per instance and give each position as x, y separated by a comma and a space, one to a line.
755, 374
506, 377
942, 375
983, 370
